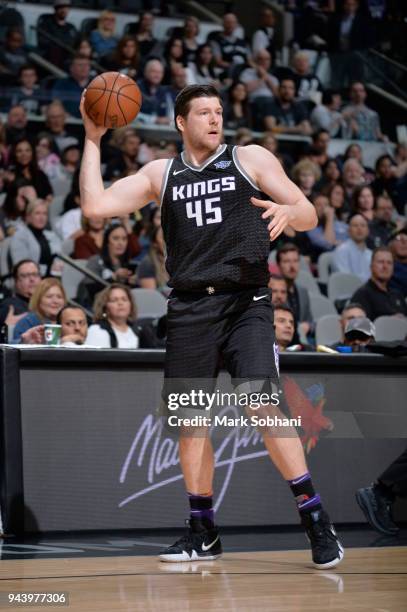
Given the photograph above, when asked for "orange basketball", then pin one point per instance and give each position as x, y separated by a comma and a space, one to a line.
112, 99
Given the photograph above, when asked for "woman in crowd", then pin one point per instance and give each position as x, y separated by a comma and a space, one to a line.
306, 174
47, 155
19, 194
203, 69
336, 196
90, 242
125, 58
237, 112
46, 302
114, 262
23, 163
102, 39
151, 273
331, 174
143, 33
174, 53
190, 35
32, 240
114, 316
352, 177
363, 201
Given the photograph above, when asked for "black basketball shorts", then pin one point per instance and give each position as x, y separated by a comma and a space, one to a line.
233, 330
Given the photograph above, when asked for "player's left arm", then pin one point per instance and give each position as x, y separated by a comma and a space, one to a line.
288, 205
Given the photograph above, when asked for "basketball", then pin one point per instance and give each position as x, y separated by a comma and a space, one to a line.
112, 99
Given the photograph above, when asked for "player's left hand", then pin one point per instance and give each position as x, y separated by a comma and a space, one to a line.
282, 215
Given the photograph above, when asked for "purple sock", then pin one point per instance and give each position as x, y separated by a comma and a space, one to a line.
201, 508
303, 490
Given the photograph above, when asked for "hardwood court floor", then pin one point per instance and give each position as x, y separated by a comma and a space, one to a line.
368, 580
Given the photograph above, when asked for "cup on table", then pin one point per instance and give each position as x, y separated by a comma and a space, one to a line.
52, 334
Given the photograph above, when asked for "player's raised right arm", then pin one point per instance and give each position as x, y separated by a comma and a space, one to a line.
124, 196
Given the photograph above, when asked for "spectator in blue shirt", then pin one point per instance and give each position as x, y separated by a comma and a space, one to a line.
353, 256
103, 39
398, 246
156, 99
69, 89
330, 232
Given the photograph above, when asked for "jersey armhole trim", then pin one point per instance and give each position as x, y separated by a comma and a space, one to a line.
165, 180
242, 170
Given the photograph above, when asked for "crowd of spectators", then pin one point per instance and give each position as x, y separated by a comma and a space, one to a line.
360, 208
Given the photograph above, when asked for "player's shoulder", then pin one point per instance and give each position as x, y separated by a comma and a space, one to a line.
252, 155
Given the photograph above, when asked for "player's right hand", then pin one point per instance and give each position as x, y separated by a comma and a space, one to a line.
93, 131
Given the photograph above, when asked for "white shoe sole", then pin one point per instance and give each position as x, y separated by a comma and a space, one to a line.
333, 563
185, 558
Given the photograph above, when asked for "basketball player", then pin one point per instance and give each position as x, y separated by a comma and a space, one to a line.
221, 206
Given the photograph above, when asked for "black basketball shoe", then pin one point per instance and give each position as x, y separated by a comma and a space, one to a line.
377, 509
198, 544
327, 551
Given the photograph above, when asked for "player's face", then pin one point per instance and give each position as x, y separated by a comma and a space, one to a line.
202, 127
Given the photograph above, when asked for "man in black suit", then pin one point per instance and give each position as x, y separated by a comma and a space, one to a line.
350, 31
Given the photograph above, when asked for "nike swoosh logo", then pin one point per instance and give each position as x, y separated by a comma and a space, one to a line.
179, 171
257, 298
205, 548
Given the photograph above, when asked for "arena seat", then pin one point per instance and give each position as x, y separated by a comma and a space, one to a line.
305, 279
320, 306
342, 285
149, 302
389, 329
328, 330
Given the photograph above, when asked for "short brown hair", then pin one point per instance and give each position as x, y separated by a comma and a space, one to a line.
102, 298
286, 248
44, 286
381, 249
183, 99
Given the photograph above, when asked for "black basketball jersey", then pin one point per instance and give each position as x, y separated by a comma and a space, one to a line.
215, 237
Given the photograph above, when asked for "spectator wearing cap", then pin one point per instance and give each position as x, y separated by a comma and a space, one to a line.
26, 276
361, 122
398, 247
69, 89
279, 292
382, 227
376, 297
359, 332
353, 310
327, 116
353, 256
57, 26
